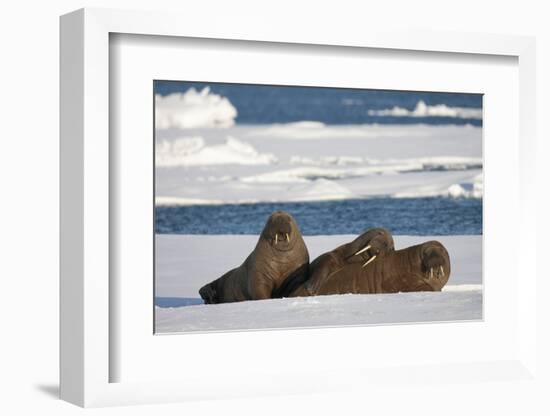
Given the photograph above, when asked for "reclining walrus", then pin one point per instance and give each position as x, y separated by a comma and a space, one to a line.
362, 251
423, 267
280, 256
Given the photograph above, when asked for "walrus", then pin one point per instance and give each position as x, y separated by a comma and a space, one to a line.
423, 267
363, 250
280, 256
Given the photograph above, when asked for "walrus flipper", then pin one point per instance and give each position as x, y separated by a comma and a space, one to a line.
213, 291
208, 294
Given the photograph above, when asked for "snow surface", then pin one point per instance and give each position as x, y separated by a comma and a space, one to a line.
185, 263
192, 151
310, 161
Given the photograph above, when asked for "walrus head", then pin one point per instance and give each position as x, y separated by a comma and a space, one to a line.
436, 265
368, 246
424, 267
281, 231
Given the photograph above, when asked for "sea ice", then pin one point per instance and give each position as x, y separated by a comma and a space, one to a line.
424, 110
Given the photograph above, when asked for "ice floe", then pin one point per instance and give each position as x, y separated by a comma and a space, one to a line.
424, 110
193, 151
193, 109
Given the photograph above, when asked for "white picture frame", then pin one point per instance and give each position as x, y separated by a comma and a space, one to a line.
87, 356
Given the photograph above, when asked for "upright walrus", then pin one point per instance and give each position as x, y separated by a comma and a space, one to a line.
423, 267
362, 251
280, 256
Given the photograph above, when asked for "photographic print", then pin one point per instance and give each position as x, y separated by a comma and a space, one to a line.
294, 207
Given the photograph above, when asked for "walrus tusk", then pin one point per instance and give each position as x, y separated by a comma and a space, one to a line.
287, 238
442, 271
276, 238
363, 250
371, 259
431, 273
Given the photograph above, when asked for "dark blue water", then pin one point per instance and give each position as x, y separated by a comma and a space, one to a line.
168, 302
414, 216
265, 104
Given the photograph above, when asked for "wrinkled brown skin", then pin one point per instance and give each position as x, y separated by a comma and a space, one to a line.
406, 270
324, 266
268, 269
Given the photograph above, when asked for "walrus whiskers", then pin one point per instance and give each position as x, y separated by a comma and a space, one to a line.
363, 250
369, 260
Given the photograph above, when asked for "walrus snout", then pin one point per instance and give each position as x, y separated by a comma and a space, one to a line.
369, 245
280, 228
